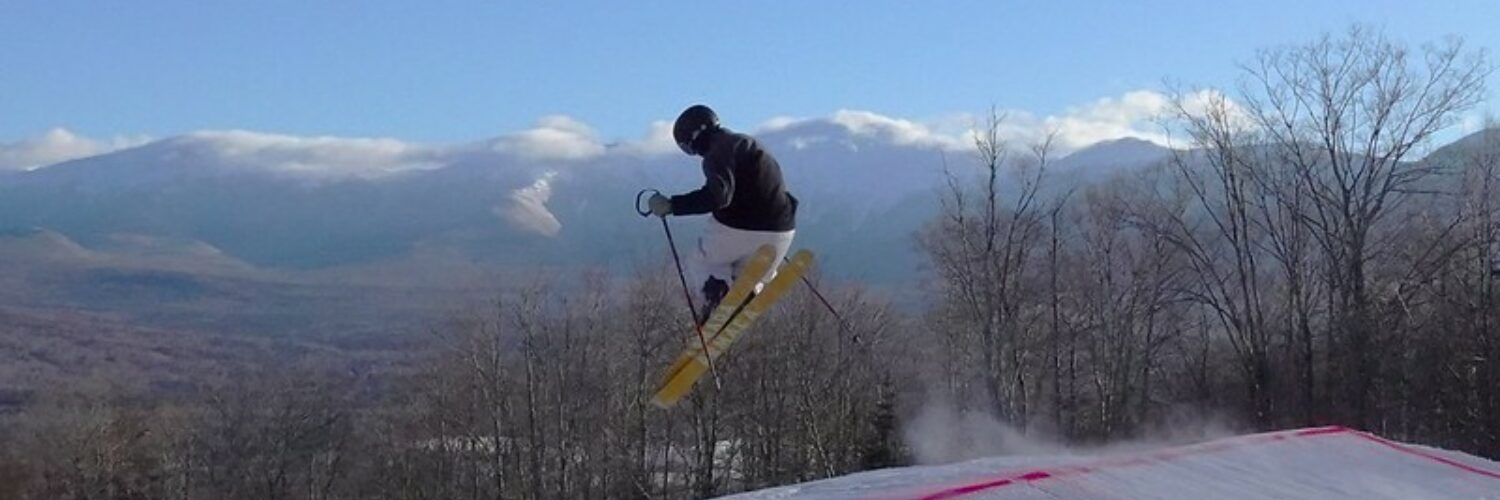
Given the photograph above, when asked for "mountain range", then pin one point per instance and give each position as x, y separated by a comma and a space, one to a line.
262, 206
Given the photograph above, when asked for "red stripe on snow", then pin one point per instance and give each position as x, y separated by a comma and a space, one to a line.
1033, 476
1165, 455
967, 489
1430, 456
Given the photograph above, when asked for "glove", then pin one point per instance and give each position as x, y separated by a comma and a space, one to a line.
661, 206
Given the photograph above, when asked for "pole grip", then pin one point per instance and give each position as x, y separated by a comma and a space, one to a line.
644, 212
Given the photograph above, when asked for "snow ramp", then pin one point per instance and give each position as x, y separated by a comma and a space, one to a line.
1325, 463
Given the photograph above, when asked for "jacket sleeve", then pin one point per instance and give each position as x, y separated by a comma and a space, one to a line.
717, 190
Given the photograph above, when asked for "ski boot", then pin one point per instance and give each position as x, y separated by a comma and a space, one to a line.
713, 292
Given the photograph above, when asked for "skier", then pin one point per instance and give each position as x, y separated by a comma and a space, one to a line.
744, 191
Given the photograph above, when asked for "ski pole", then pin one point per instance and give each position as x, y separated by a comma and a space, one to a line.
843, 325
682, 277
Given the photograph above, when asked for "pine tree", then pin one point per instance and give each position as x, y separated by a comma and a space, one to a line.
881, 449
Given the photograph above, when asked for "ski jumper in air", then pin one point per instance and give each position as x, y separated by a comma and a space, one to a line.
743, 190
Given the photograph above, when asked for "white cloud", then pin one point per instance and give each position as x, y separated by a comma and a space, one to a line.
563, 138
780, 122
898, 131
56, 146
311, 157
555, 137
658, 141
1133, 114
866, 124
528, 208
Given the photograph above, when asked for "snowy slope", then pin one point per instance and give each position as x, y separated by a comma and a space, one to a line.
1322, 463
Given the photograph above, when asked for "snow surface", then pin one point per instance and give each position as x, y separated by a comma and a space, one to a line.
1322, 463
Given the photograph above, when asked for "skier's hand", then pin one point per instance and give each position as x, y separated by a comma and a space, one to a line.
661, 206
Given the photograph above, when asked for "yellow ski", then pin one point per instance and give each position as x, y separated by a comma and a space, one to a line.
725, 330
692, 358
751, 273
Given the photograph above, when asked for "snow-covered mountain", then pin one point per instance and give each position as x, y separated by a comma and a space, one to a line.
550, 196
1103, 158
1313, 464
279, 201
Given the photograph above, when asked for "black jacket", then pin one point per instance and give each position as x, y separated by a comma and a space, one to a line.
743, 186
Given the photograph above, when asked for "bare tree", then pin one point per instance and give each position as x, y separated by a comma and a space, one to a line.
1347, 113
1218, 172
983, 251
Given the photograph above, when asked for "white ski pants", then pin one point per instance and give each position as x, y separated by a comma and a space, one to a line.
723, 250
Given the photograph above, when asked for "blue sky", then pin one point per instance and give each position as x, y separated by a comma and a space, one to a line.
458, 71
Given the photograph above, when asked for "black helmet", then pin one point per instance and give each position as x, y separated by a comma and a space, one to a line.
691, 125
